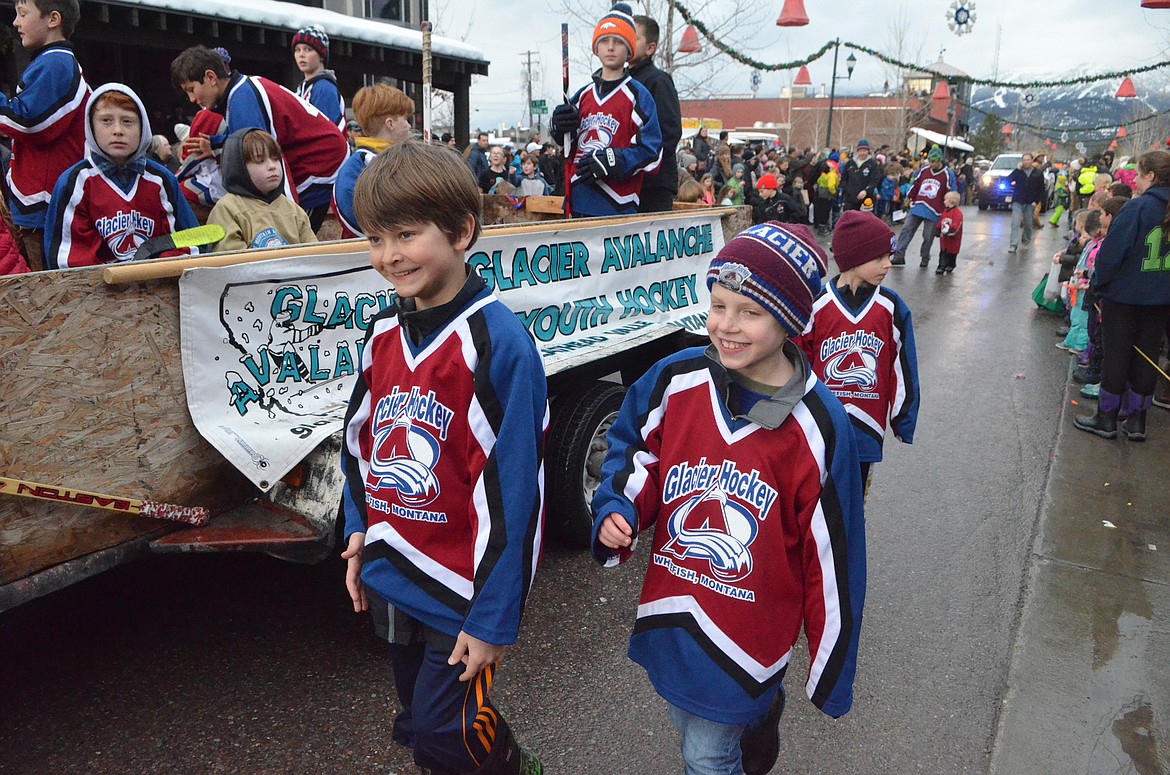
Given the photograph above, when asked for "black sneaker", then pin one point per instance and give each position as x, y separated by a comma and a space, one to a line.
924, 263
1083, 376
760, 743
897, 262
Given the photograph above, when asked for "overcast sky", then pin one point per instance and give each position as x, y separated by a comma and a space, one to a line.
1045, 37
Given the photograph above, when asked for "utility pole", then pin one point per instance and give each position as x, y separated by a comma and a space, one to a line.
528, 83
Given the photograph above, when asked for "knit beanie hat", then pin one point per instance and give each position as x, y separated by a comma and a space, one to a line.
935, 154
863, 143
777, 265
619, 22
859, 238
226, 57
313, 36
768, 181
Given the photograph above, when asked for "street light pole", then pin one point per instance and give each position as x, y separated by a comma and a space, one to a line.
849, 64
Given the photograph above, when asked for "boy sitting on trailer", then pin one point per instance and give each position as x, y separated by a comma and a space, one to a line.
105, 206
311, 53
45, 119
255, 213
314, 147
443, 464
383, 112
613, 125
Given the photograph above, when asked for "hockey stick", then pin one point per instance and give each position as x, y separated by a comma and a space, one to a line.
176, 240
194, 515
426, 82
568, 135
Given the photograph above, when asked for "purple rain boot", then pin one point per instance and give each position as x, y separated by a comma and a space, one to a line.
1103, 422
1134, 426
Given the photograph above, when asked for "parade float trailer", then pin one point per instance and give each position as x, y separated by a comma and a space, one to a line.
116, 377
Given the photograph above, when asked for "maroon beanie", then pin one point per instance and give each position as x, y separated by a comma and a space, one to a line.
861, 237
777, 265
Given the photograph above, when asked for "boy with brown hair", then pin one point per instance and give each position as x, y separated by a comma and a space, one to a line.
46, 118
443, 459
384, 114
255, 213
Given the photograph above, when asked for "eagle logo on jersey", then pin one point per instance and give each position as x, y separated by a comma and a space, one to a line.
403, 458
710, 526
855, 366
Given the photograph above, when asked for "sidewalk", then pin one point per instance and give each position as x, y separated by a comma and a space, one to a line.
1089, 684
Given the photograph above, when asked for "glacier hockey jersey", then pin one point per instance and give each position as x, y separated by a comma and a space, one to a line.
863, 349
322, 93
759, 530
314, 147
366, 148
93, 220
623, 118
928, 190
46, 121
443, 463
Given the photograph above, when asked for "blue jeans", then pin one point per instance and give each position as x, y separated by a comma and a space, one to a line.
708, 747
909, 228
1021, 213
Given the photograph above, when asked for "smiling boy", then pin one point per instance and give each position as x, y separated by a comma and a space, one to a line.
46, 118
444, 497
746, 464
105, 206
613, 125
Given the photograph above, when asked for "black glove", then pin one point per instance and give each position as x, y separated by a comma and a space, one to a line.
565, 119
604, 163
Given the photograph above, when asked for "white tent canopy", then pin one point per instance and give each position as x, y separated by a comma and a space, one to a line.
939, 139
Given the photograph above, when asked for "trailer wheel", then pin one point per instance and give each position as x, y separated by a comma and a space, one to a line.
576, 449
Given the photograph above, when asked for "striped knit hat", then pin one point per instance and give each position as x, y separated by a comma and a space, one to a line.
314, 37
619, 22
777, 265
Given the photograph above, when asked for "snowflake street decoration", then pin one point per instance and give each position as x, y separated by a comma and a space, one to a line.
961, 16
1029, 100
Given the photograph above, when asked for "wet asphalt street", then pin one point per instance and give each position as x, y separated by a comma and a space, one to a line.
244, 664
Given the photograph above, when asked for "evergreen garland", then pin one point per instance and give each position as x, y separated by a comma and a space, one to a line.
745, 59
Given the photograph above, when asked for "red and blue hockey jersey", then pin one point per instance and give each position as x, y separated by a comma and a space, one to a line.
93, 219
759, 530
314, 147
929, 189
322, 93
364, 152
623, 118
46, 121
863, 350
443, 463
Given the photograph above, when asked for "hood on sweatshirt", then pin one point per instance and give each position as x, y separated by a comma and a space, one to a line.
144, 136
234, 167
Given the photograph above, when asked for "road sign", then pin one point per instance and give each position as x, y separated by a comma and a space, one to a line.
540, 107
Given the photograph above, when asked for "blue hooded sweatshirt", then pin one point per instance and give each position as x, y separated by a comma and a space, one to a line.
1133, 265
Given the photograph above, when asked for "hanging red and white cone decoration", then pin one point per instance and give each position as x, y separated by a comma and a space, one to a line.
1126, 90
1155, 3
802, 78
1121, 133
690, 41
792, 15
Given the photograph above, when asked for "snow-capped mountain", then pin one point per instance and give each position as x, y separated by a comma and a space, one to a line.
1081, 105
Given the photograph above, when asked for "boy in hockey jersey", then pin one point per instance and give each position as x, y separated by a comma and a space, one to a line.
747, 465
950, 230
613, 126
860, 341
443, 464
104, 207
46, 118
931, 184
255, 213
383, 112
314, 147
310, 48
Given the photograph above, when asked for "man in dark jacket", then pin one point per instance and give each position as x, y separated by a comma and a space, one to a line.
1026, 185
860, 177
477, 159
659, 188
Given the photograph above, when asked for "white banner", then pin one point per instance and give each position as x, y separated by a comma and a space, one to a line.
270, 348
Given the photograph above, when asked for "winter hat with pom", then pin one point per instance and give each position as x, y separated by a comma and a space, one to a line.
619, 22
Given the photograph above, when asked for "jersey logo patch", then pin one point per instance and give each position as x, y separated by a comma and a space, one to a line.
125, 232
710, 526
856, 366
403, 458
